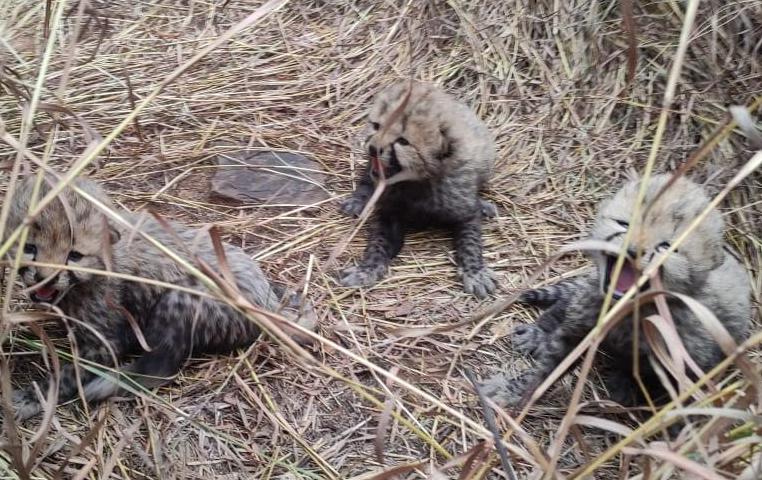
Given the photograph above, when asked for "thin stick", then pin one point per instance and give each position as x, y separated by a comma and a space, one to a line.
489, 417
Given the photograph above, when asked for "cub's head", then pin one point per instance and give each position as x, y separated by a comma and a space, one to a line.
671, 214
68, 231
406, 132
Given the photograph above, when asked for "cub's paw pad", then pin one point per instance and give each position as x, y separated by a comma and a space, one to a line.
504, 390
528, 338
361, 276
480, 283
488, 209
353, 206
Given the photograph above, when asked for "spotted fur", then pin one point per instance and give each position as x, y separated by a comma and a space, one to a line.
702, 268
175, 324
447, 155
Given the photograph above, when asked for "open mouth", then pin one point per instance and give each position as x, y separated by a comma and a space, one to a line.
378, 168
628, 277
44, 294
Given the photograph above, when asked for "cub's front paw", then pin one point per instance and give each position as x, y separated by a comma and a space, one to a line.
480, 282
527, 339
504, 390
361, 275
487, 208
353, 205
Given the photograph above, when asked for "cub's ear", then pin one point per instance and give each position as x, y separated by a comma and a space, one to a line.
446, 145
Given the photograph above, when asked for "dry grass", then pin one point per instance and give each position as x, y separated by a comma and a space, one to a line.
550, 78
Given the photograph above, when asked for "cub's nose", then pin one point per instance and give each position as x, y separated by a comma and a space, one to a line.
374, 152
39, 278
631, 253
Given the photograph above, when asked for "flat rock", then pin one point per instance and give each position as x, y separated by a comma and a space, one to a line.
269, 177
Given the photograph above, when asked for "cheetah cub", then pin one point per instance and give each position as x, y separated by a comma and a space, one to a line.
109, 315
702, 268
438, 155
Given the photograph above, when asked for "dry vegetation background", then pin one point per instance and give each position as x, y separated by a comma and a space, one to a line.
550, 79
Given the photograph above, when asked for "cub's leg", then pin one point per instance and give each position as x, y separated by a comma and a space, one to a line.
621, 386
176, 320
551, 338
91, 350
533, 340
529, 339
354, 205
546, 296
511, 391
477, 278
385, 242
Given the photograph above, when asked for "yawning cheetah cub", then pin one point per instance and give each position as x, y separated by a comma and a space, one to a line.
445, 155
701, 268
109, 315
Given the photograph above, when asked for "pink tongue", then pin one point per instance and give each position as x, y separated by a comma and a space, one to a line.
45, 293
378, 167
627, 278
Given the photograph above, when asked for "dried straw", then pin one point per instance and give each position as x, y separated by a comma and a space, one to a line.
141, 96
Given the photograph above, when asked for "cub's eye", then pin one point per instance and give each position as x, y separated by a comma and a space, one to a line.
402, 141
30, 249
663, 246
75, 256
375, 125
622, 223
